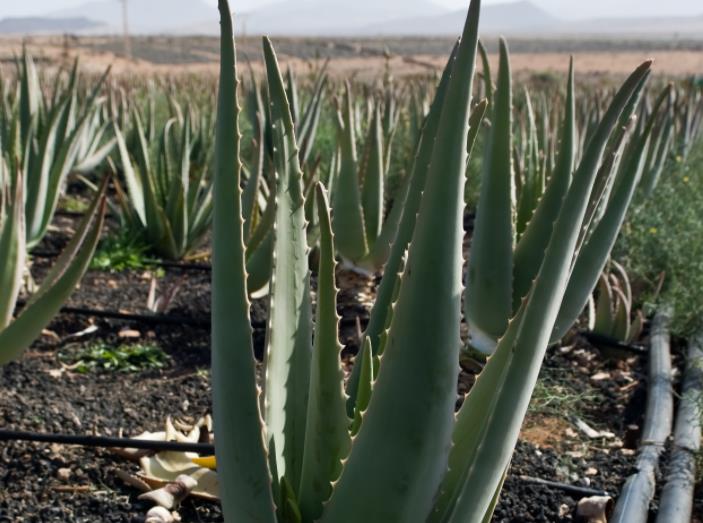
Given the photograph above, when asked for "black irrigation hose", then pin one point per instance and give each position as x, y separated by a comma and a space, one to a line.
107, 442
582, 492
156, 319
602, 340
167, 319
638, 492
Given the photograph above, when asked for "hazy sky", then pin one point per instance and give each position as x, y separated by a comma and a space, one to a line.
562, 8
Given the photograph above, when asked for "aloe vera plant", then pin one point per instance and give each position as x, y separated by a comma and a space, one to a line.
610, 314
47, 138
364, 226
168, 196
508, 247
18, 332
299, 453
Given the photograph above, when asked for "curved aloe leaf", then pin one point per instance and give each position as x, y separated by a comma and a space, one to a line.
348, 219
289, 343
387, 290
489, 421
595, 252
245, 482
372, 191
604, 307
327, 439
13, 250
57, 286
529, 251
489, 287
399, 456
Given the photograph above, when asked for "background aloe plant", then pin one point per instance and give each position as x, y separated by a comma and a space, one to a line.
18, 332
410, 458
361, 221
168, 194
46, 137
513, 227
611, 311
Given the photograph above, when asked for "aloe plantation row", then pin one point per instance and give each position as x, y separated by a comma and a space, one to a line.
283, 182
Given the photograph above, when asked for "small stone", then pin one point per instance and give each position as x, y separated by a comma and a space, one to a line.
600, 376
591, 471
129, 333
64, 474
563, 510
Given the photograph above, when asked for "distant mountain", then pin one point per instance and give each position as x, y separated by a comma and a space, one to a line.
340, 18
35, 24
146, 16
330, 17
525, 18
646, 26
509, 18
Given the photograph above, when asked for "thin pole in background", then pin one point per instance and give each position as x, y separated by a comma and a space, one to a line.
125, 28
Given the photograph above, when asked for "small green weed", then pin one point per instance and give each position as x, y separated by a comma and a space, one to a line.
663, 236
119, 252
123, 358
73, 204
558, 397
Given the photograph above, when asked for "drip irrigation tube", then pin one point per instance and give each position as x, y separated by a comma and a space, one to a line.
107, 442
676, 502
600, 339
167, 319
637, 494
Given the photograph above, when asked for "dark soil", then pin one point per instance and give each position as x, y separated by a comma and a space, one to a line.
54, 483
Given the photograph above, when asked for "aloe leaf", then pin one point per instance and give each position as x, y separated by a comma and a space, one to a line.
621, 325
259, 264
134, 186
12, 247
38, 180
486, 73
348, 219
289, 343
245, 483
488, 298
366, 377
475, 123
530, 249
604, 308
389, 230
30, 94
489, 420
411, 205
20, 333
327, 439
595, 251
399, 456
372, 191
251, 191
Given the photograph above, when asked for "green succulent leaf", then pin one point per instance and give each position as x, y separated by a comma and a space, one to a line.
289, 334
399, 455
245, 482
327, 439
489, 284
